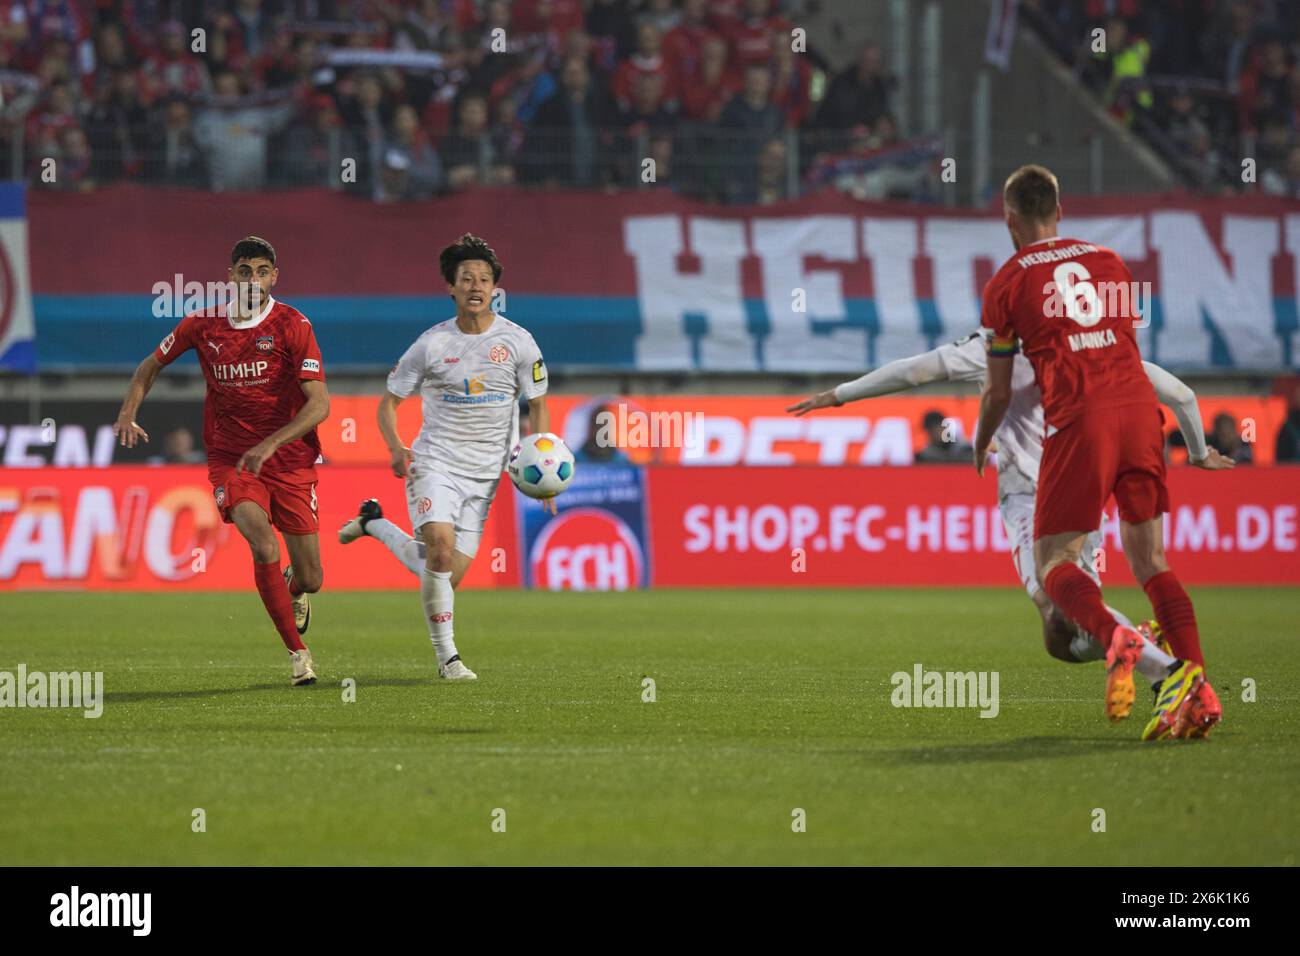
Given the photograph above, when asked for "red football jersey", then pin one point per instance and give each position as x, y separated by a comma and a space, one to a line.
253, 372
1071, 306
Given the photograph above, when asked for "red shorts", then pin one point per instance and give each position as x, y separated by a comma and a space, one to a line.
1105, 451
287, 497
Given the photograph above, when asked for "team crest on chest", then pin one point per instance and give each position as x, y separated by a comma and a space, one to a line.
265, 343
499, 354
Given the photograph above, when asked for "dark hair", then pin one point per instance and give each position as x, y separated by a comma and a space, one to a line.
932, 417
252, 247
468, 248
1033, 193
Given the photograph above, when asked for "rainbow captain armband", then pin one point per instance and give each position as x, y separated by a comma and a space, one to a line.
1008, 346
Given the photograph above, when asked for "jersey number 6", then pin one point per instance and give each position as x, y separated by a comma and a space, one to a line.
1078, 294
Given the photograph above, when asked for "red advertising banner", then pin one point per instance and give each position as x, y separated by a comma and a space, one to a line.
756, 430
142, 528
939, 526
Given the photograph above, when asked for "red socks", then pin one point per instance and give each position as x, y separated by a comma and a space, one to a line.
275, 595
1079, 599
1174, 612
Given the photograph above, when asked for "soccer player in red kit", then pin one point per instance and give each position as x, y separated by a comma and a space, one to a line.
1069, 305
265, 396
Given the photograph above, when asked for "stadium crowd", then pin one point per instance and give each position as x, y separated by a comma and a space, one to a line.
1208, 83
428, 96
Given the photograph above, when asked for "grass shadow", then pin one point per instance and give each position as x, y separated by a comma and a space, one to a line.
127, 696
1020, 750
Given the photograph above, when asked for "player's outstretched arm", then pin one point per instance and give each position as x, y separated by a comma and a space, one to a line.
387, 418
896, 376
539, 420
127, 431
1178, 395
314, 411
994, 401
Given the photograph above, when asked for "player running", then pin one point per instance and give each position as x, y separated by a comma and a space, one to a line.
1019, 449
1070, 304
265, 396
470, 371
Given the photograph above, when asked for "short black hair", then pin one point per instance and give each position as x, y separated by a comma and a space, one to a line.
252, 247
466, 249
932, 418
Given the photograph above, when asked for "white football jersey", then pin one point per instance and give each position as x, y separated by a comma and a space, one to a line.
469, 388
1019, 438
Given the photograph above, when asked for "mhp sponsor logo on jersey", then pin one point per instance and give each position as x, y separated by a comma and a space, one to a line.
78, 909
598, 541
240, 371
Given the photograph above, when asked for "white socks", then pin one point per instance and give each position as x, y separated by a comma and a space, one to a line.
1153, 664
435, 586
1084, 648
405, 548
438, 598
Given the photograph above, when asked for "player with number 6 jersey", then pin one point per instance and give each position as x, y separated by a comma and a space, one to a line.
1070, 306
265, 396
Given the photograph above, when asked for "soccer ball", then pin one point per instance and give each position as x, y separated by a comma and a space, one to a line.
541, 466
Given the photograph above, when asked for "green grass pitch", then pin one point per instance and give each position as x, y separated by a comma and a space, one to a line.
766, 701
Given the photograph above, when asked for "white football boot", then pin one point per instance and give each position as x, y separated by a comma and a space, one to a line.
455, 669
301, 604
302, 670
356, 527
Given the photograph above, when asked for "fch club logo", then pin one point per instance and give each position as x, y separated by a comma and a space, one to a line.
587, 549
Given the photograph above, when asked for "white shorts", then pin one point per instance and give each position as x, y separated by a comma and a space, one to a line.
1018, 518
433, 495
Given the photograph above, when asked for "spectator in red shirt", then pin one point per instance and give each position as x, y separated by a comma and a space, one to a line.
110, 57
647, 60
751, 35
704, 98
684, 44
791, 81
543, 16
44, 125
173, 69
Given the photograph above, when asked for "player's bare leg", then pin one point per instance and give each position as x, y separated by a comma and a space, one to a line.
255, 526
460, 563
1144, 546
303, 575
436, 591
1079, 599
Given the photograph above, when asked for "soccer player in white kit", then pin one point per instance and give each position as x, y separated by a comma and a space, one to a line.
1019, 441
470, 371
